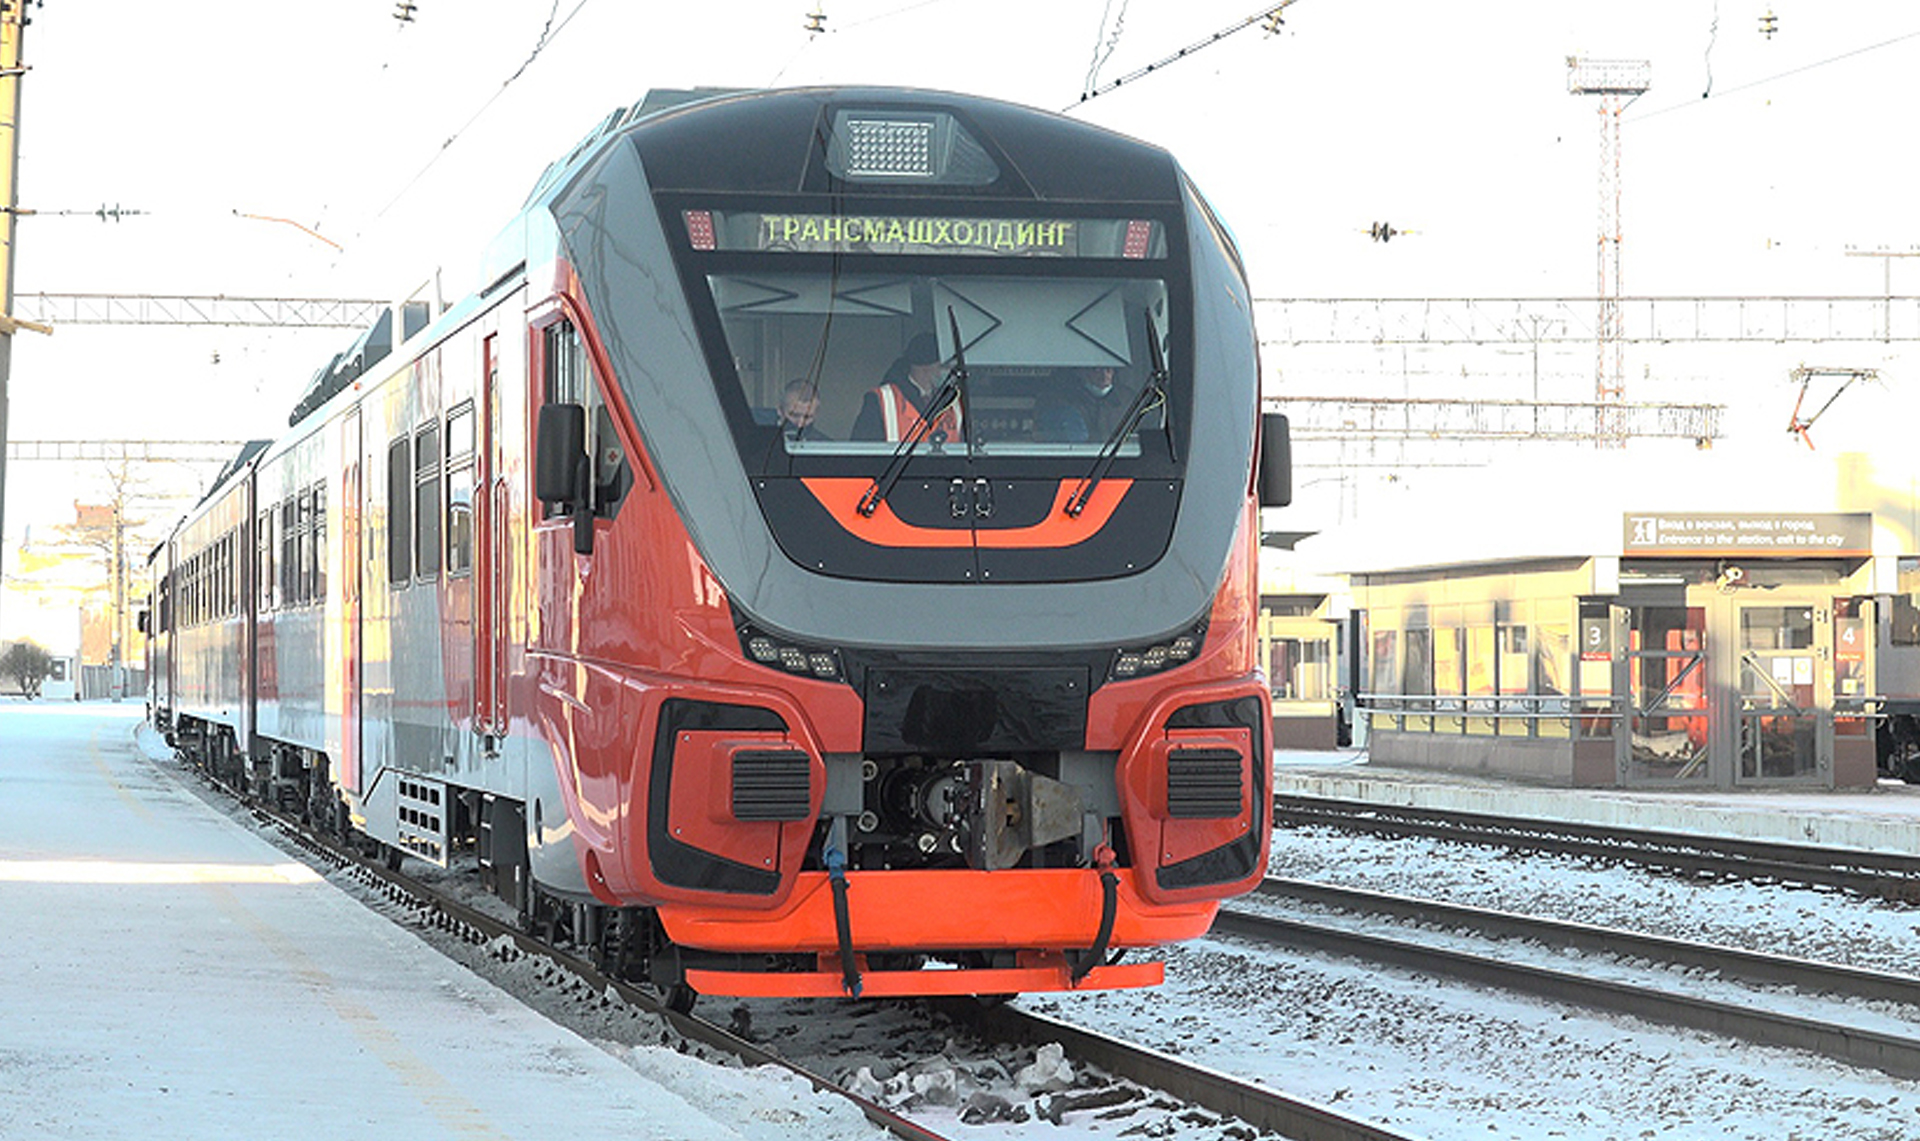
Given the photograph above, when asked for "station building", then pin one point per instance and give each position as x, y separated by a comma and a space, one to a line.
1700, 649
1303, 617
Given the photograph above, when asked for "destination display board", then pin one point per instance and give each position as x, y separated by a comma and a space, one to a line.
1753, 533
1003, 237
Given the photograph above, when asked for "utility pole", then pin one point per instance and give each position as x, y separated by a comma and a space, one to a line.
13, 20
1609, 79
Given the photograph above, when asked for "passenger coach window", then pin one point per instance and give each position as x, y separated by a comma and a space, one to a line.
318, 587
399, 511
426, 502
303, 578
460, 490
289, 551
263, 561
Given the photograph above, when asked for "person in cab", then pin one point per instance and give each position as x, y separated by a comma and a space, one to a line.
888, 412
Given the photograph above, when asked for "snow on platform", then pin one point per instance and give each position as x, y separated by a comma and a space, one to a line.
1882, 819
169, 974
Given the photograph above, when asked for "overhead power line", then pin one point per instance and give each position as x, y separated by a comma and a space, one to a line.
1269, 17
252, 312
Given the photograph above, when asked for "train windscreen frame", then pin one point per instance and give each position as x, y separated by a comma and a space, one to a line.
1053, 313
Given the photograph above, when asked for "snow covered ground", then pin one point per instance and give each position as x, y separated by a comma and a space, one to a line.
172, 975
1452, 1061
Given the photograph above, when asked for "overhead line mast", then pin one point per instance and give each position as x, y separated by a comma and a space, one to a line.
13, 21
1610, 79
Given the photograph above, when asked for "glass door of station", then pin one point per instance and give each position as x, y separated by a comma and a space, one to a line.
1669, 734
1783, 724
1723, 690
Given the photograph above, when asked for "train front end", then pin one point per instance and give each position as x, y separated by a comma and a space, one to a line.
936, 611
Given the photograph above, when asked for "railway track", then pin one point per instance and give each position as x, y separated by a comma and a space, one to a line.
1663, 1001
1260, 1108
1887, 875
1252, 1103
440, 911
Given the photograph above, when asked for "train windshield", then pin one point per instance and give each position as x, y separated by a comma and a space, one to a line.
842, 331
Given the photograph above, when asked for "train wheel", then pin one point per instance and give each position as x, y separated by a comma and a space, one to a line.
680, 998
391, 856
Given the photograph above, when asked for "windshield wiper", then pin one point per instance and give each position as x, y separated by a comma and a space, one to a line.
1152, 394
953, 388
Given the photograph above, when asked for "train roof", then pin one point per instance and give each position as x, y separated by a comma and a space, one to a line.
780, 141
241, 458
784, 142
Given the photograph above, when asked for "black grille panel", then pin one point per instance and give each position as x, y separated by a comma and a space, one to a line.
1204, 784
770, 785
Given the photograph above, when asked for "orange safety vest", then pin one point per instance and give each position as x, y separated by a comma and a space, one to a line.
897, 414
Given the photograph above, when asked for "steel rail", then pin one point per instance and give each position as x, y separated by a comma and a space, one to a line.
1885, 874
1732, 962
1255, 1104
476, 927
1885, 1052
1291, 1117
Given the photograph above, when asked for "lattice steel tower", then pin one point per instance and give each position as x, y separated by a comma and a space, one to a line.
1610, 79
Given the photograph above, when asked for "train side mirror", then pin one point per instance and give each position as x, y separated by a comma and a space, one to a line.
561, 472
560, 445
1275, 481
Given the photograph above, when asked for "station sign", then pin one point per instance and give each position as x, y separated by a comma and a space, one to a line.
1750, 534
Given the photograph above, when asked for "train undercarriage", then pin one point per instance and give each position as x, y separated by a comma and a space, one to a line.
913, 814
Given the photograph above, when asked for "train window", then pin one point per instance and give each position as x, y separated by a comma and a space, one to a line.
1054, 362
263, 561
569, 380
289, 551
303, 574
566, 372
460, 490
400, 511
319, 591
426, 502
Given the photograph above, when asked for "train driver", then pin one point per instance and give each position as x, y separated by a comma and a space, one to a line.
1085, 406
889, 411
799, 404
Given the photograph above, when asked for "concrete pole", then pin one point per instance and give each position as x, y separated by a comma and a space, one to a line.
13, 18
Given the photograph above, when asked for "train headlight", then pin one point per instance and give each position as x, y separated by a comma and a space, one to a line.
1138, 661
896, 146
787, 654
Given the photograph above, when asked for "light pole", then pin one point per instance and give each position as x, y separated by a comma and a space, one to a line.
13, 19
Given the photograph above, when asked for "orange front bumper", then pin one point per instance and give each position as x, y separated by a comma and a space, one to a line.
1036, 972
1054, 909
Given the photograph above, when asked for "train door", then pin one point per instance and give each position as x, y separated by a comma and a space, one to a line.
351, 595
490, 556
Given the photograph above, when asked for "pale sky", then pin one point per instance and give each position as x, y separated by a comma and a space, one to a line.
1449, 121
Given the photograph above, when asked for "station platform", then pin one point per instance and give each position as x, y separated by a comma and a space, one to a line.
1884, 818
170, 974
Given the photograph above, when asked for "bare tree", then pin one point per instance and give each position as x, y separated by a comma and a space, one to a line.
106, 528
28, 664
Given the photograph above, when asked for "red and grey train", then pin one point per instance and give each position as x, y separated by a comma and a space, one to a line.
543, 581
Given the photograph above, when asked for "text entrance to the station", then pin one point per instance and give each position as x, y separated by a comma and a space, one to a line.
1740, 633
